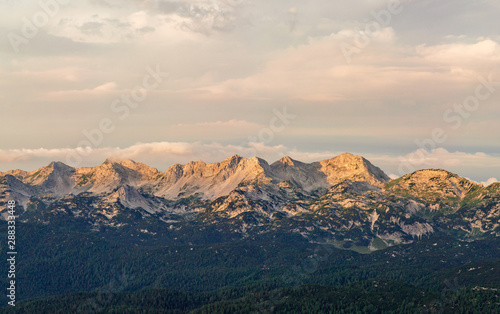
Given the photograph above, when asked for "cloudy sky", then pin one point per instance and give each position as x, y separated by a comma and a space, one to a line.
409, 84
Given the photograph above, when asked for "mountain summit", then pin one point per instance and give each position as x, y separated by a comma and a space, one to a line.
352, 167
212, 180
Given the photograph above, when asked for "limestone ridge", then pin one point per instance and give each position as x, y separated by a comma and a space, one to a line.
351, 167
212, 180
437, 186
196, 178
326, 173
305, 176
345, 199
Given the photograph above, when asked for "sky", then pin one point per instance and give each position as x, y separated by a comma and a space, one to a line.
407, 84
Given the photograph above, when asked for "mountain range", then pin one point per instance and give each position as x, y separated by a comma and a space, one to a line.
345, 201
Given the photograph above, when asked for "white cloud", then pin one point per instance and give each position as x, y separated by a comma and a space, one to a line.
319, 72
478, 166
483, 52
106, 87
489, 181
159, 154
441, 157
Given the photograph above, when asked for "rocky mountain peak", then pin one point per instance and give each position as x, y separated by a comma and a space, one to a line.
113, 173
60, 166
232, 161
195, 168
122, 166
212, 180
435, 176
19, 174
260, 165
55, 178
434, 184
352, 167
123, 162
109, 166
110, 161
348, 161
287, 161
236, 163
259, 161
54, 171
494, 187
145, 171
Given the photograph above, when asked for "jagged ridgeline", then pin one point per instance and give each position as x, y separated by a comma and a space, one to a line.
345, 201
